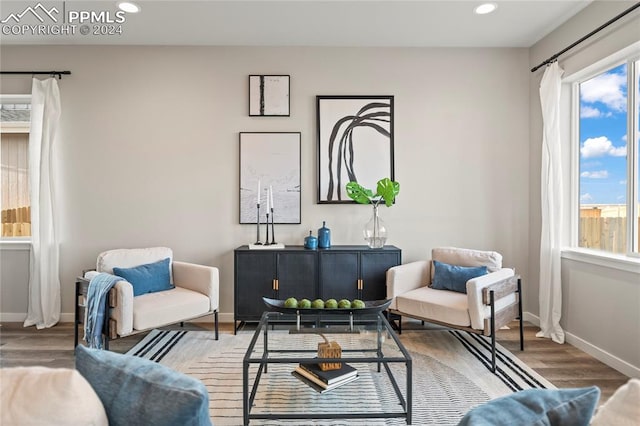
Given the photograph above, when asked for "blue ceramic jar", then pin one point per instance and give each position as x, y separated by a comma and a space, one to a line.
311, 242
324, 236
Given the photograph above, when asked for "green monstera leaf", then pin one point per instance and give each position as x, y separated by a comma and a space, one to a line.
358, 193
388, 189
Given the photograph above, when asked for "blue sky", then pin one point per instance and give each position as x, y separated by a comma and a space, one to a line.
603, 140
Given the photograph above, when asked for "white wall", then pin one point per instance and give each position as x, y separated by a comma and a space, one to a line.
601, 305
149, 148
14, 282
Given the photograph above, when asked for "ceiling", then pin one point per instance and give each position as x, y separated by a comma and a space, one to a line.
417, 23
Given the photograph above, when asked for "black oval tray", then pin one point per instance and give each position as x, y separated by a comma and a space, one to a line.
370, 306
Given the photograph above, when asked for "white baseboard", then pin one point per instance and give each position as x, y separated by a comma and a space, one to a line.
600, 354
69, 317
13, 317
528, 316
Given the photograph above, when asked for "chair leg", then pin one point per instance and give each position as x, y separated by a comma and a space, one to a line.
105, 327
76, 316
215, 319
75, 335
520, 314
493, 331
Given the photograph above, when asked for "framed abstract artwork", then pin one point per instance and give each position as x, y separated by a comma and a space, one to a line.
269, 95
355, 143
270, 169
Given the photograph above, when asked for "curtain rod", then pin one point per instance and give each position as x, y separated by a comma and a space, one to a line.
597, 30
59, 74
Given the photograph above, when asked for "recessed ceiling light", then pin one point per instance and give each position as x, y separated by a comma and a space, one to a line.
128, 7
485, 8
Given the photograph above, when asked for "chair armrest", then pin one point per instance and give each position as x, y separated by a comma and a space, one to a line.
478, 311
122, 312
200, 278
407, 277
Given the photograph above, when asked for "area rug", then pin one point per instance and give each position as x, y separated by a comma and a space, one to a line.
450, 376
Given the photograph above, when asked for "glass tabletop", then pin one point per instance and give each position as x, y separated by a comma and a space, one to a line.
282, 338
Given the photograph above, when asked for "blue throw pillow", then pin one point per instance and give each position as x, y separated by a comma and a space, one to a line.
135, 391
454, 278
148, 278
537, 407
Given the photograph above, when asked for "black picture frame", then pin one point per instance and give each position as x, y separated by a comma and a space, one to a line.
354, 142
274, 159
269, 95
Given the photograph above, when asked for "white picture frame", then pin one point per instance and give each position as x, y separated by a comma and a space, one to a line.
270, 160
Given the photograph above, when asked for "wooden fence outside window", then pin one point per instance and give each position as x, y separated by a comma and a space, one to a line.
16, 222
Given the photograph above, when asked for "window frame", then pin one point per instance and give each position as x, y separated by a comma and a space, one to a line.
14, 243
570, 107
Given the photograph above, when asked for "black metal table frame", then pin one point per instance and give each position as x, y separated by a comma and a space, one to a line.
379, 359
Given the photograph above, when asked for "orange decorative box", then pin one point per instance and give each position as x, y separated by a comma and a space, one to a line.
329, 349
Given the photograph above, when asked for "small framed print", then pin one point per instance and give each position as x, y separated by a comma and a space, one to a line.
269, 95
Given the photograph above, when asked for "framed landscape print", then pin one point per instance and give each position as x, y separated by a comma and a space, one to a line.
355, 143
269, 95
270, 161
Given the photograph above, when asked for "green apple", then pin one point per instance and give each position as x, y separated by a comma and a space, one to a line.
291, 302
304, 303
331, 304
344, 304
317, 304
357, 304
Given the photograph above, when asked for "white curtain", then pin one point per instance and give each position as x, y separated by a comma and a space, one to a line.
44, 281
551, 200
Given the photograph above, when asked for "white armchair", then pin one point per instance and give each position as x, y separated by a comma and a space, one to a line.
491, 300
195, 295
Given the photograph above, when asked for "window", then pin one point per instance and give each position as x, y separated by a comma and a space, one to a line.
15, 113
608, 176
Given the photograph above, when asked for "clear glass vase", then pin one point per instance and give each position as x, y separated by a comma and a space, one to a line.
375, 233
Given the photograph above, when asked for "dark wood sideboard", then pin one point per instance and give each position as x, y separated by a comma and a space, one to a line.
339, 272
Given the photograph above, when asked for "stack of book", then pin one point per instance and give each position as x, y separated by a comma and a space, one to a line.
324, 381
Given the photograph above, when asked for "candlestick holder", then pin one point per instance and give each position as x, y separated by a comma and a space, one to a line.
266, 242
273, 229
258, 242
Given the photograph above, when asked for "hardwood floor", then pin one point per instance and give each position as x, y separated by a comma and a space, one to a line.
563, 365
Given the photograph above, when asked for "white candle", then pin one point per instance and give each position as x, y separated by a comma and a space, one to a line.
271, 195
268, 205
258, 193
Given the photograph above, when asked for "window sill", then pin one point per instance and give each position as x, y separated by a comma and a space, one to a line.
607, 260
15, 244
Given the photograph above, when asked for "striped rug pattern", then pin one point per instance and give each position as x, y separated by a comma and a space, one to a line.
450, 376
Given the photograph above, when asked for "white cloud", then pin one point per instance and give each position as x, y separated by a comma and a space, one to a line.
607, 89
621, 197
624, 137
600, 147
586, 197
599, 174
590, 112
623, 182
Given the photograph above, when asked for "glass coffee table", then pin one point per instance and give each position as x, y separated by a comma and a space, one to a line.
368, 343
